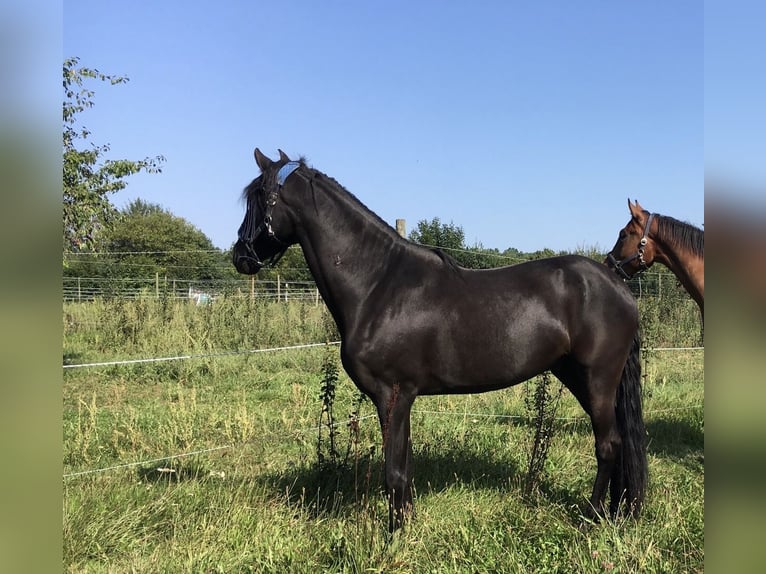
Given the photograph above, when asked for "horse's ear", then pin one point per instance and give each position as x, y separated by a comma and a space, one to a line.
262, 161
283, 156
635, 210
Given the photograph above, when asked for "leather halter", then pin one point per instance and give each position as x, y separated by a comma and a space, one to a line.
249, 232
643, 266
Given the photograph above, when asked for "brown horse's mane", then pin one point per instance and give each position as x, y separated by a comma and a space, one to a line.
684, 235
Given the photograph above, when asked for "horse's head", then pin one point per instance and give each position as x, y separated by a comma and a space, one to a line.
267, 230
634, 250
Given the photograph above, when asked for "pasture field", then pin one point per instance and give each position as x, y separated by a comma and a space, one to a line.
253, 496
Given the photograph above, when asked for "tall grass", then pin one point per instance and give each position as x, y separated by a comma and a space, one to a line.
254, 499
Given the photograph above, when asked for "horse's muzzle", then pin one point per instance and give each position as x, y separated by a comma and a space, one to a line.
243, 260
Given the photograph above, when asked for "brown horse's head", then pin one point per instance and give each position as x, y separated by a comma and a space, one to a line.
634, 251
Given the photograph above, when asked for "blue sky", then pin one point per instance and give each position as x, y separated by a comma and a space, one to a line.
528, 124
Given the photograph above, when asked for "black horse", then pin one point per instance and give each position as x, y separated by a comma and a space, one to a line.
413, 322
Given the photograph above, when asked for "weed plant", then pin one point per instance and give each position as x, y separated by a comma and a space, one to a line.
541, 405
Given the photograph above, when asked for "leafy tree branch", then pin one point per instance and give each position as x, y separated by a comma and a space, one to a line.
89, 178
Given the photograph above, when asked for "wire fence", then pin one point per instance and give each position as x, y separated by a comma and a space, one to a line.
218, 354
197, 356
128, 274
118, 362
474, 416
200, 291
83, 289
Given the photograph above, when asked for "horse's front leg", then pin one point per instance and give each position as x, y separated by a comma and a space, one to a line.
394, 415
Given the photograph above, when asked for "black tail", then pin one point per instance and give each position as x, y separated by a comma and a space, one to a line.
631, 476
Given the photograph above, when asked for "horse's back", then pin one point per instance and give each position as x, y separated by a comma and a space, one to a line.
567, 281
566, 299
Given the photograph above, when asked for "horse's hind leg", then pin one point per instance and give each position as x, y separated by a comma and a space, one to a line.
608, 446
596, 395
394, 414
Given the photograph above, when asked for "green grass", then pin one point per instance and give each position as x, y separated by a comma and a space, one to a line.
257, 502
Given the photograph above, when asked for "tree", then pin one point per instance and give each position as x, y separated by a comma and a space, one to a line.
542, 254
88, 178
451, 238
434, 233
146, 241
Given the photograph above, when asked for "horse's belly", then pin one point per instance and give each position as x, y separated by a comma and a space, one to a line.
477, 362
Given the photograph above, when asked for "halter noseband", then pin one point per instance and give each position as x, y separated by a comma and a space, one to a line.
618, 265
249, 232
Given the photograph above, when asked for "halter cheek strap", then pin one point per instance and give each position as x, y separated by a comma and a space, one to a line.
618, 265
282, 175
249, 230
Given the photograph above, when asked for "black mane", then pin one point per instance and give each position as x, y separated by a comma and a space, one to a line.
252, 189
324, 178
445, 257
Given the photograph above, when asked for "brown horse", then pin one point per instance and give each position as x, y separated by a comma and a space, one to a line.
650, 237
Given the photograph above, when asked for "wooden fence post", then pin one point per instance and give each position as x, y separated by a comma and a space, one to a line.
401, 227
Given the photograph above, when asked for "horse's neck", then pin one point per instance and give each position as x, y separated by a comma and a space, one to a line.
348, 251
688, 267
